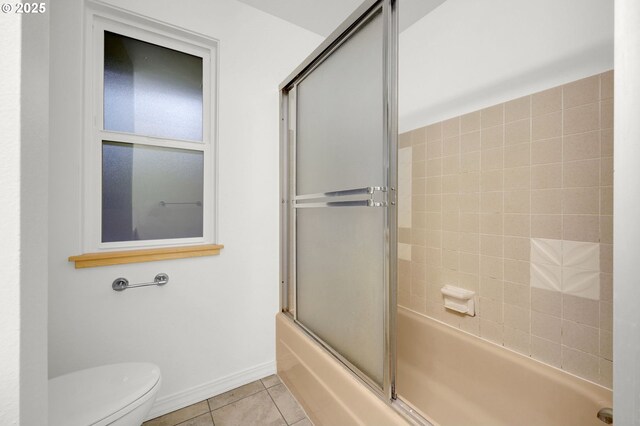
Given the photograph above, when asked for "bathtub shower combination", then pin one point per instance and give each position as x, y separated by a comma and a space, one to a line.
504, 215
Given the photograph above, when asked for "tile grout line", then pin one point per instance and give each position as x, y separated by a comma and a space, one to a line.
237, 400
306, 415
562, 220
599, 222
277, 408
530, 307
190, 418
264, 388
502, 213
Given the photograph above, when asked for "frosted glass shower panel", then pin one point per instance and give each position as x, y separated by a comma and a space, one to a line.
340, 281
151, 90
339, 139
151, 193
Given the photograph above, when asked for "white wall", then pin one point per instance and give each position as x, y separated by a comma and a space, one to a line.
10, 32
469, 54
212, 326
33, 218
626, 321
23, 228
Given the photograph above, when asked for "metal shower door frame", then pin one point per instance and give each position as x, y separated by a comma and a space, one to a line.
288, 92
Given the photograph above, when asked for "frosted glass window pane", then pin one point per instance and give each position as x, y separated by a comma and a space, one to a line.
150, 192
340, 281
151, 90
339, 140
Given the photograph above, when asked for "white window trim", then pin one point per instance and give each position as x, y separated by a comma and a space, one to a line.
99, 17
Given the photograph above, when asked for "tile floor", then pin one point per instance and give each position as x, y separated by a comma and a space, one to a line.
263, 402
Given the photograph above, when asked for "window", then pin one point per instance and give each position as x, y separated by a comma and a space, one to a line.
150, 146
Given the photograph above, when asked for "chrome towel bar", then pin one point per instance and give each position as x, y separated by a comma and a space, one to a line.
197, 203
121, 284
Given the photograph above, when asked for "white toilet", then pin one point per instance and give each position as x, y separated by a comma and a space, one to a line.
117, 394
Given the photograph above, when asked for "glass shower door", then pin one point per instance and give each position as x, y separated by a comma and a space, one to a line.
339, 191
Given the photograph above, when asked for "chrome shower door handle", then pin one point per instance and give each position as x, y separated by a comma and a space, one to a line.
336, 198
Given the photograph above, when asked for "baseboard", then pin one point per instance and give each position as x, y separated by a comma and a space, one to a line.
201, 392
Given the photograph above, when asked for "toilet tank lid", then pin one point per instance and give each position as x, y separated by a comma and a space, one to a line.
85, 397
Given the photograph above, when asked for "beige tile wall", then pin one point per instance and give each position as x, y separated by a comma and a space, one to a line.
484, 184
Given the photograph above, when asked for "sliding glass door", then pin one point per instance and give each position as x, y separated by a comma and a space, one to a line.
339, 127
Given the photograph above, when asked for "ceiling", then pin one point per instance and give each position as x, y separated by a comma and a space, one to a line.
323, 16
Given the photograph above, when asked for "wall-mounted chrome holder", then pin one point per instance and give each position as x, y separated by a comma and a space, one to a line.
120, 284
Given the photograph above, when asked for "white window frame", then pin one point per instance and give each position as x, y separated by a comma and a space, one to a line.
98, 19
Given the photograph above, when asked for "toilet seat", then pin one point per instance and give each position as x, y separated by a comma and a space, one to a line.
100, 395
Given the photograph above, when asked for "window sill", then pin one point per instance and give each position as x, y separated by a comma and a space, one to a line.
92, 260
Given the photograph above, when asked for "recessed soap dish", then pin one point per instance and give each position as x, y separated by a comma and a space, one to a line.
459, 299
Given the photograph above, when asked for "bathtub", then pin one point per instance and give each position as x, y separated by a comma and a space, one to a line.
450, 377
329, 394
454, 378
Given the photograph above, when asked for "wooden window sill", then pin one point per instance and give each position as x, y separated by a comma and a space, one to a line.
91, 260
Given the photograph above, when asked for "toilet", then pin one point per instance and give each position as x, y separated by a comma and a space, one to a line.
116, 394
